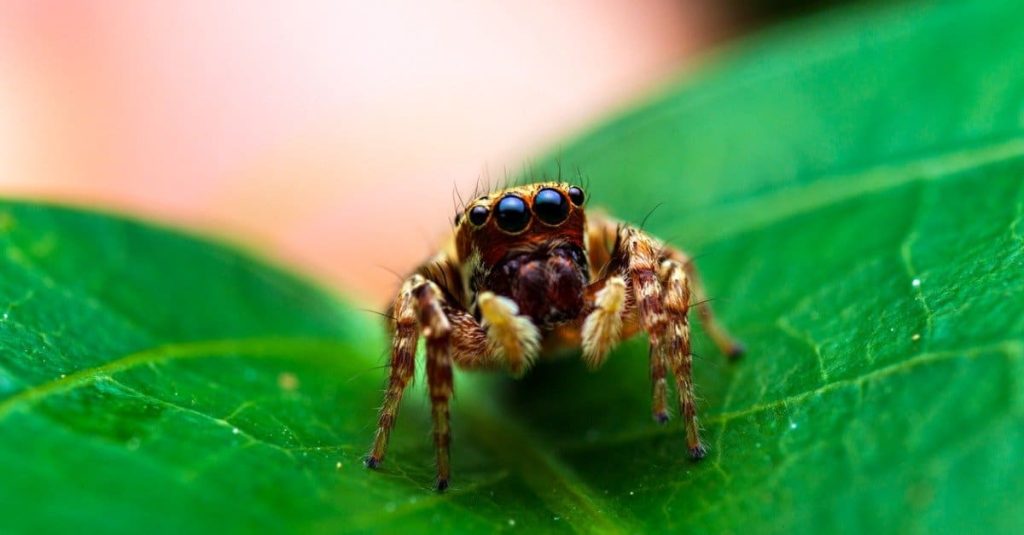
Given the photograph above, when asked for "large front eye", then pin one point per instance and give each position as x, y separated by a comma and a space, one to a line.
550, 206
512, 214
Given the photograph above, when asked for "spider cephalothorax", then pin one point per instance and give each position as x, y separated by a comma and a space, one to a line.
527, 244
526, 269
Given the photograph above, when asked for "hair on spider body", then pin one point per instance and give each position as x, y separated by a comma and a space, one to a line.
526, 267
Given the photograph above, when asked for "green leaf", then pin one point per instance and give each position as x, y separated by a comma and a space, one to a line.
853, 187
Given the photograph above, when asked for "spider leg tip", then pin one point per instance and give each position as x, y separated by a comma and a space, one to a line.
735, 350
698, 452
442, 484
371, 462
661, 418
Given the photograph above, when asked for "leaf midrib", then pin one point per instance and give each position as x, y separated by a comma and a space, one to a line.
553, 482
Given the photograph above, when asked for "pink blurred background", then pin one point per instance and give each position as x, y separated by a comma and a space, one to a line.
327, 135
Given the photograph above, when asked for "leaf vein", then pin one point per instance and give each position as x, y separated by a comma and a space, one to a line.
1009, 348
250, 347
742, 216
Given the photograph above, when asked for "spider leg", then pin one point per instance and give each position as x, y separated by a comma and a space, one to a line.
659, 385
661, 281
641, 253
629, 299
676, 348
603, 328
471, 348
437, 330
403, 352
728, 345
661, 293
419, 304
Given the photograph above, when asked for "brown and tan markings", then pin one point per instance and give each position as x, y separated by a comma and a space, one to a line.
527, 269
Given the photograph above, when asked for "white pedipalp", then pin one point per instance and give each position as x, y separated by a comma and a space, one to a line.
602, 328
510, 336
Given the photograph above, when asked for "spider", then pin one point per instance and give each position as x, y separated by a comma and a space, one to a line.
526, 270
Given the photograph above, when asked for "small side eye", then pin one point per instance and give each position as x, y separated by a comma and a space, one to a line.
512, 213
576, 196
550, 206
478, 215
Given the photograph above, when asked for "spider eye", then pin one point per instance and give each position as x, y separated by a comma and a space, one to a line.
550, 206
576, 196
512, 213
478, 215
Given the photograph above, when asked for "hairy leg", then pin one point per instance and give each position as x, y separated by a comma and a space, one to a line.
641, 254
661, 281
403, 352
437, 331
470, 343
659, 385
419, 304
605, 244
719, 335
677, 348
630, 298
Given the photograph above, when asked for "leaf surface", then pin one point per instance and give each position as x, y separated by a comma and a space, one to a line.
853, 187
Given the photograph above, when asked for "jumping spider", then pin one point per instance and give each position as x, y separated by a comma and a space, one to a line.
526, 271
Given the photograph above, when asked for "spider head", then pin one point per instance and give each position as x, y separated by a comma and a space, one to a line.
527, 243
